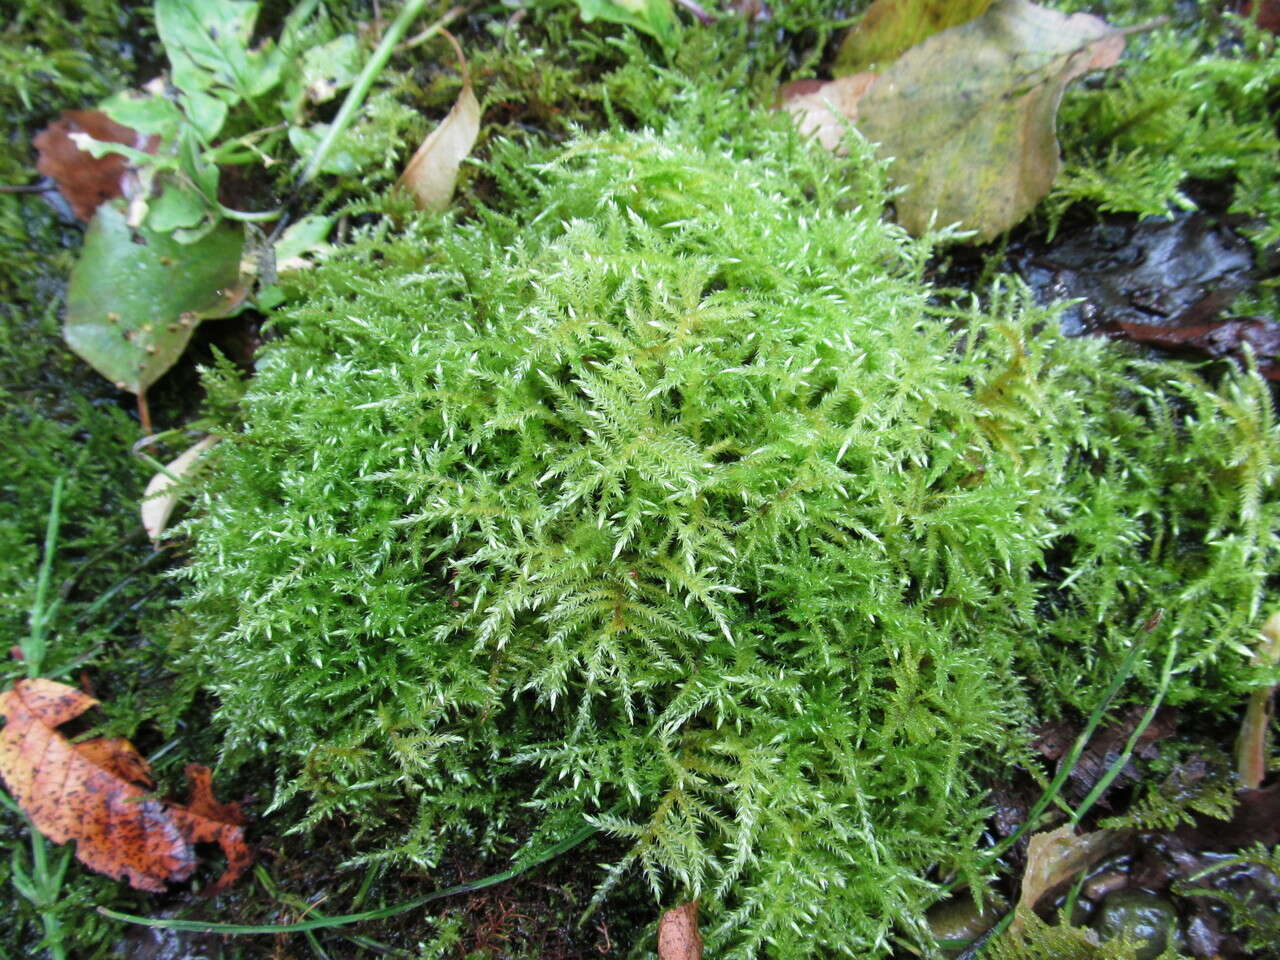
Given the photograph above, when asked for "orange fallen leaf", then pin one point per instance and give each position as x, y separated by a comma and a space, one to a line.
678, 935
84, 180
98, 794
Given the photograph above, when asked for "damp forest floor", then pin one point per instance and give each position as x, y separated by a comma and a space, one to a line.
542, 74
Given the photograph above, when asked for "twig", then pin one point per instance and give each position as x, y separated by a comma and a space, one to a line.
144, 411
360, 89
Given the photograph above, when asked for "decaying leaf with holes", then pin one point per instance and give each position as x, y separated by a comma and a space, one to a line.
136, 296
98, 794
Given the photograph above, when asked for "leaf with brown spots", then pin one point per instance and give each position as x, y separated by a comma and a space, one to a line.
84, 180
98, 794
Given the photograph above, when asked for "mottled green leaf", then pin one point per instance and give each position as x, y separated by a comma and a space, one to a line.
144, 112
208, 46
968, 116
325, 70
654, 17
177, 206
136, 296
889, 28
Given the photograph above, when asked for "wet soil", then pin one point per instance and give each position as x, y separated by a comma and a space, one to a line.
1167, 284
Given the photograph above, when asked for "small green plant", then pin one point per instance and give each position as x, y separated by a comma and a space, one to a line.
660, 494
1250, 915
1184, 105
41, 881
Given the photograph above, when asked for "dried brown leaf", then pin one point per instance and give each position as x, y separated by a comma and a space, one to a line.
97, 793
432, 172
84, 180
1216, 338
161, 496
825, 110
1054, 857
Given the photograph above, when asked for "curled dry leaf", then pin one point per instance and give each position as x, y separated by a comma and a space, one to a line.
825, 110
84, 180
432, 172
1252, 746
97, 793
968, 115
162, 494
1055, 856
678, 934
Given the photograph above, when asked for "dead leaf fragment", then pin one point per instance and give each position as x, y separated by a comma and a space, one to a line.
97, 793
825, 110
432, 172
969, 114
678, 934
1253, 745
84, 180
1055, 856
891, 27
1216, 338
161, 496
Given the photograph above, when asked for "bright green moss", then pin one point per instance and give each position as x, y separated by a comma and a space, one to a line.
1192, 101
665, 497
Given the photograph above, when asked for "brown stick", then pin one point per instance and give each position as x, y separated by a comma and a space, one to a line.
144, 411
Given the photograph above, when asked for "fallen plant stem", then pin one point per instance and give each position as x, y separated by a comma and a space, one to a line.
1064, 769
695, 8
144, 412
360, 89
1068, 764
304, 909
119, 585
33, 647
1251, 745
1105, 781
88, 563
975, 949
268, 928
